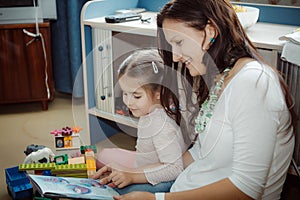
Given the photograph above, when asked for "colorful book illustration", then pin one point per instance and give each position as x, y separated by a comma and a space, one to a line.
74, 188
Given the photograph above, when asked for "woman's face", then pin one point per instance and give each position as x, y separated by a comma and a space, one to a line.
187, 45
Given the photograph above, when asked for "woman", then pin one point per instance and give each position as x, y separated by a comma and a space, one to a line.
243, 128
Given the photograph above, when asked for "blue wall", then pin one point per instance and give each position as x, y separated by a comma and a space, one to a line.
271, 14
278, 14
152, 5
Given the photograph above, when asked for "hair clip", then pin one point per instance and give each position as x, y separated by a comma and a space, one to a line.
155, 69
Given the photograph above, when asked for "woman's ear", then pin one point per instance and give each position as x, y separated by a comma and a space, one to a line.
211, 31
211, 34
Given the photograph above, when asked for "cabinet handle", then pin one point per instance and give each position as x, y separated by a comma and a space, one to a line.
100, 48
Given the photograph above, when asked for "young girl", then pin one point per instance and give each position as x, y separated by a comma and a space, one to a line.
160, 144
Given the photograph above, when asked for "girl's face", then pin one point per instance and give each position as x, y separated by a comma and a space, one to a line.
188, 44
136, 98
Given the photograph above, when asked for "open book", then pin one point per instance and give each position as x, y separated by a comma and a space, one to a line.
74, 188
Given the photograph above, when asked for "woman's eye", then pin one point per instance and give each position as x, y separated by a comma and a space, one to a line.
178, 43
137, 97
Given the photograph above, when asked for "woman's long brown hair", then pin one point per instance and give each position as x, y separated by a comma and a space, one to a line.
231, 44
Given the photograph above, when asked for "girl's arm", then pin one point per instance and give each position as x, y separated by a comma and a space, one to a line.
187, 159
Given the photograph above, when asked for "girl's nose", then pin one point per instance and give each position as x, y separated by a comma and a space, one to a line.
127, 100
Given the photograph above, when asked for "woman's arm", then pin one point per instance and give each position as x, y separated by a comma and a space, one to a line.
222, 190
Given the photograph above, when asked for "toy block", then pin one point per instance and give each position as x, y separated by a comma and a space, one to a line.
66, 131
90, 173
77, 129
36, 166
68, 141
21, 191
42, 198
61, 159
81, 174
91, 167
59, 142
46, 173
14, 177
89, 155
83, 149
72, 152
90, 164
77, 160
76, 141
69, 167
18, 184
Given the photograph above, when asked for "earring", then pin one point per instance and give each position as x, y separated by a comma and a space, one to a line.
212, 40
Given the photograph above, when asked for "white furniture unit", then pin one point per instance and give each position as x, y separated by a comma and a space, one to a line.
105, 45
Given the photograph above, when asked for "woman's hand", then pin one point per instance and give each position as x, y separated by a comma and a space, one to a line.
136, 196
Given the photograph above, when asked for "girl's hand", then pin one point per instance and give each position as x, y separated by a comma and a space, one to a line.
114, 175
136, 195
103, 172
121, 178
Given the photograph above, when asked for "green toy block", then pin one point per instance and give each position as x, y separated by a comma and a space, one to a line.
69, 167
64, 159
37, 166
84, 148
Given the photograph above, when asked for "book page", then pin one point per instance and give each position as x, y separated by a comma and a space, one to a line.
71, 187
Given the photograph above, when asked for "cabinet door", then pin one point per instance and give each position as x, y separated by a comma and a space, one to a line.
110, 50
25, 64
103, 75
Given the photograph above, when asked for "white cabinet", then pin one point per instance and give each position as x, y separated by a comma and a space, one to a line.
109, 44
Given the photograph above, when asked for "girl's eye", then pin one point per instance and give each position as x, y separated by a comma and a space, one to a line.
137, 97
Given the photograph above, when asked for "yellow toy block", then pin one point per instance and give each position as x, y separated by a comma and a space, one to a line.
90, 164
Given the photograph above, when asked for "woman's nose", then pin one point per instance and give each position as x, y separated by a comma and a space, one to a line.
176, 57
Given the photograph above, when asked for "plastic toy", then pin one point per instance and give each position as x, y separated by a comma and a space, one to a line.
68, 141
66, 131
83, 149
77, 129
61, 159
32, 148
39, 156
18, 184
90, 163
67, 137
37, 166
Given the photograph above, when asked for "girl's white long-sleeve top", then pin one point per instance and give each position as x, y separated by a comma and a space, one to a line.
159, 140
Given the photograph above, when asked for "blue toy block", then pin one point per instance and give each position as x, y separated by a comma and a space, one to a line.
14, 177
18, 184
21, 191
